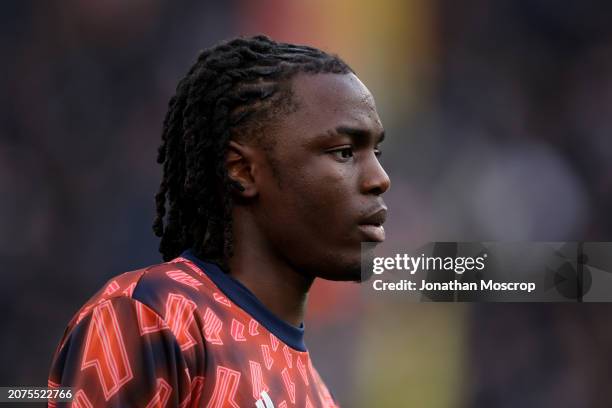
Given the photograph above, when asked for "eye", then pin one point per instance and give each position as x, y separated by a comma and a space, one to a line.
343, 154
378, 152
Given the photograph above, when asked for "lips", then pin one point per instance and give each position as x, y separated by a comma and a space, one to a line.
371, 226
376, 217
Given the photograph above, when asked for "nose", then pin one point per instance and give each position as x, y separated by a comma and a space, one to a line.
374, 177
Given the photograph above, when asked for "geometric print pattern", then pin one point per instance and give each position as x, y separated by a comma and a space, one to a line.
167, 336
105, 350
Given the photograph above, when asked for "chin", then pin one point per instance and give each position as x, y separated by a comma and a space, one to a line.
348, 271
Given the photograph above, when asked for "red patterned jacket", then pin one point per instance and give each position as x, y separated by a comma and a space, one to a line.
183, 334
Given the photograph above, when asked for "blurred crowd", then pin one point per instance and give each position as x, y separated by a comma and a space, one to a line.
499, 116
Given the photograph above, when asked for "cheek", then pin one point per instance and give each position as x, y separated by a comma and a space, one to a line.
314, 221
323, 199
314, 195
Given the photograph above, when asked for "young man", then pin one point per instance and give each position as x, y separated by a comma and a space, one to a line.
271, 179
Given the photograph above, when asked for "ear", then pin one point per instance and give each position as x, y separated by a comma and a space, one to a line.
239, 162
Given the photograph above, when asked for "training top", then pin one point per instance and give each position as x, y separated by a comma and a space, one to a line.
183, 334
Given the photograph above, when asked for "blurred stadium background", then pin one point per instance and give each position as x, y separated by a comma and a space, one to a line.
499, 115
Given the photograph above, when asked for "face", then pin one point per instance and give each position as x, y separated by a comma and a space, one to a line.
320, 192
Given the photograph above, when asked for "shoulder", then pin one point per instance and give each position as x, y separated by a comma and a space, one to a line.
156, 298
129, 341
149, 286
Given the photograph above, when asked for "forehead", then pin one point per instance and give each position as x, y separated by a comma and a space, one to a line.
326, 101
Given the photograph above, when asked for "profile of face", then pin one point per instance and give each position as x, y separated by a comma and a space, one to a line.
318, 190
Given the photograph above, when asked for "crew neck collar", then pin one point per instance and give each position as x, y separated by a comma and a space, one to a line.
243, 297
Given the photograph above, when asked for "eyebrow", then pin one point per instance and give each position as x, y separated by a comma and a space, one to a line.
358, 133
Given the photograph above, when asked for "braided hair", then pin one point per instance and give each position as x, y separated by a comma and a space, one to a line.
233, 90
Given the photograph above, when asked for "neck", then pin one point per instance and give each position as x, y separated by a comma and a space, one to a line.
282, 289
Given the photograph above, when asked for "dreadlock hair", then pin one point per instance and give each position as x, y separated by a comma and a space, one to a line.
234, 88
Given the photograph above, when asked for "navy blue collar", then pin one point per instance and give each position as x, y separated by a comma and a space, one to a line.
243, 297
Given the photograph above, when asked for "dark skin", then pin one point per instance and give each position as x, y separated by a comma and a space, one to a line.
309, 203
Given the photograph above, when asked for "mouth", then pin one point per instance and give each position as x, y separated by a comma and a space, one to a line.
371, 226
372, 233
